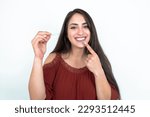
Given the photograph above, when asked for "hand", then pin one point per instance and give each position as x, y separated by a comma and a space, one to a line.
39, 43
92, 61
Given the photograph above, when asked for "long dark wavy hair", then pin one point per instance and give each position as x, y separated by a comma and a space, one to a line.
64, 46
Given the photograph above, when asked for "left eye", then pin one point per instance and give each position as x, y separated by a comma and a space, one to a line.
85, 26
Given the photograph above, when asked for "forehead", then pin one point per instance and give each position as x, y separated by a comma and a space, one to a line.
77, 18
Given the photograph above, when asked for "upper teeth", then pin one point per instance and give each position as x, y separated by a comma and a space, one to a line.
79, 39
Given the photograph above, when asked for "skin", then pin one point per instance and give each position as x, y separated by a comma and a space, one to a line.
79, 36
92, 61
36, 82
78, 29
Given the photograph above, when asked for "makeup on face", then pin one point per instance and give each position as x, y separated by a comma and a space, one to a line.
78, 30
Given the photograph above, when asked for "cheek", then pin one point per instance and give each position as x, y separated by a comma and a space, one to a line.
70, 37
70, 33
89, 36
87, 31
88, 40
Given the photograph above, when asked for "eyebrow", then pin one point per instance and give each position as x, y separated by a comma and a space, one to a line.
77, 24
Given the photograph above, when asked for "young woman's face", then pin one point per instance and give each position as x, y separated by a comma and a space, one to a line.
78, 31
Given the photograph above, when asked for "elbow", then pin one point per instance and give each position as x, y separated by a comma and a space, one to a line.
104, 97
35, 96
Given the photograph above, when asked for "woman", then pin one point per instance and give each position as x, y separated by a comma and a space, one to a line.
77, 68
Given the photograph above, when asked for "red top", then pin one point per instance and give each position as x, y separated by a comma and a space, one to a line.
64, 82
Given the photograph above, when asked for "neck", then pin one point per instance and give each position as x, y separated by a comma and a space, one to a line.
75, 58
77, 54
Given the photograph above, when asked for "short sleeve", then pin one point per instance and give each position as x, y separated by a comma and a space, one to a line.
49, 73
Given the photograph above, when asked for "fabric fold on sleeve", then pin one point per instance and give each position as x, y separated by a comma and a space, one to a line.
49, 72
114, 93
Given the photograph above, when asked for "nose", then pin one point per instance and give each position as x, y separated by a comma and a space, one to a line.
80, 31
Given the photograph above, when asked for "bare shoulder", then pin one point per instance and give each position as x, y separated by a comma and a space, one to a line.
50, 58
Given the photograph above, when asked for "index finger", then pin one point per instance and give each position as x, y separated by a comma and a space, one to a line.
89, 48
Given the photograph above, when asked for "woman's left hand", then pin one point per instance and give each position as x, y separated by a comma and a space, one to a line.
93, 62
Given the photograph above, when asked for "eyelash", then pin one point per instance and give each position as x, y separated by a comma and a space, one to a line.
86, 26
72, 27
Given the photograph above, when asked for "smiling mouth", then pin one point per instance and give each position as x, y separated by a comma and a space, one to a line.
80, 39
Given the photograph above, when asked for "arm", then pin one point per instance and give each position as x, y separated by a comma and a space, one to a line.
103, 88
36, 82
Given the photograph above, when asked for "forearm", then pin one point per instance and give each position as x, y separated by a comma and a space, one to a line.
103, 88
36, 82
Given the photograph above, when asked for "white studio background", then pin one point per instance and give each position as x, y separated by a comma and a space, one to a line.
123, 28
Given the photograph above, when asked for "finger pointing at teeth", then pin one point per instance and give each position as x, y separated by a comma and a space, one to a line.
92, 61
89, 48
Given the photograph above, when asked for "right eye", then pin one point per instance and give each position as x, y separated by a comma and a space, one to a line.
73, 27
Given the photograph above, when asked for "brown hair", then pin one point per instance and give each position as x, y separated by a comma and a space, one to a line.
64, 46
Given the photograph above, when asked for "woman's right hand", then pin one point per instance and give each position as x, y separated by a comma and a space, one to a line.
39, 43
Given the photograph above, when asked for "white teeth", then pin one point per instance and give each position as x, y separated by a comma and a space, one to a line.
80, 39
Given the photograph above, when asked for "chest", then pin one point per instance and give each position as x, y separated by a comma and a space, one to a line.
69, 85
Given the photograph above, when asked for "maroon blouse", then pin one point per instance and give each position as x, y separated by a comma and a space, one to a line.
64, 82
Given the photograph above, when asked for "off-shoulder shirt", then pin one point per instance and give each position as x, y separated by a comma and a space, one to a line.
64, 82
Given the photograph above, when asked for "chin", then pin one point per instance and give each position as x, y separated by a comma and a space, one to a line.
80, 45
